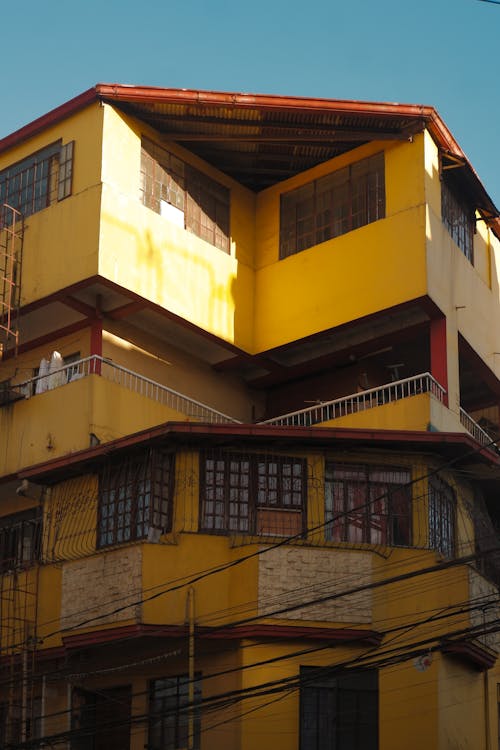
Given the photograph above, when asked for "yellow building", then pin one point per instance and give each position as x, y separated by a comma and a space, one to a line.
249, 393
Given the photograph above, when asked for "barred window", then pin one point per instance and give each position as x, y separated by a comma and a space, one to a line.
332, 205
367, 504
135, 495
169, 713
338, 711
20, 539
185, 195
39, 180
442, 510
253, 494
458, 219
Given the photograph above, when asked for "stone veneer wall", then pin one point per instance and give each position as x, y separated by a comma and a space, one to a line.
100, 584
294, 574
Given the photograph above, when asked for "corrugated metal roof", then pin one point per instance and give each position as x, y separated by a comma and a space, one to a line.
242, 134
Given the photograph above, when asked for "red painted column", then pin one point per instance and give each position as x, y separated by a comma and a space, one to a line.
96, 345
439, 361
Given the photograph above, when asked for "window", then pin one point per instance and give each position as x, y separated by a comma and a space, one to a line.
332, 205
367, 504
184, 195
441, 517
169, 713
340, 711
458, 220
101, 720
135, 495
38, 181
253, 494
20, 539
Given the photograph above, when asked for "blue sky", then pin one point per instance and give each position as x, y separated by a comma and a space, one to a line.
439, 52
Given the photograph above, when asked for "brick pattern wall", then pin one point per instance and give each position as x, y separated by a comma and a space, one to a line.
480, 588
292, 575
100, 584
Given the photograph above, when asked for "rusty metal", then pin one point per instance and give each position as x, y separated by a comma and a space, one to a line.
11, 243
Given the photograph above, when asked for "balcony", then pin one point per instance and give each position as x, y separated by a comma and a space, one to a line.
361, 401
348, 410
139, 384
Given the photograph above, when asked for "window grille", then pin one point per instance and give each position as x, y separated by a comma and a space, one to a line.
458, 220
252, 494
39, 180
442, 511
169, 713
367, 504
135, 494
338, 711
185, 195
332, 205
20, 539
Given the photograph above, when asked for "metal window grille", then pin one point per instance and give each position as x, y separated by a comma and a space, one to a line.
338, 711
20, 540
135, 494
332, 205
253, 494
442, 513
39, 180
458, 220
366, 504
179, 191
169, 713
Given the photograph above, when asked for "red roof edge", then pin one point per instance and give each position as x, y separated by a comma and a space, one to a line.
313, 435
48, 119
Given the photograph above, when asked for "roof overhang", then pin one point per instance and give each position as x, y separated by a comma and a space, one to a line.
260, 140
454, 448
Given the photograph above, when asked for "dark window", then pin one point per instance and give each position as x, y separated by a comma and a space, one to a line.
20, 539
338, 712
253, 494
40, 180
101, 720
169, 711
185, 195
135, 496
367, 504
458, 219
332, 205
442, 507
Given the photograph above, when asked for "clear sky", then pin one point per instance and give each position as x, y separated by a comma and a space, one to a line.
440, 52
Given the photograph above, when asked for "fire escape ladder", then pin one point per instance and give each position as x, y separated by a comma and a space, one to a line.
11, 246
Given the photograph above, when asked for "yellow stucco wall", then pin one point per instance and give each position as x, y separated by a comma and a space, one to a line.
61, 242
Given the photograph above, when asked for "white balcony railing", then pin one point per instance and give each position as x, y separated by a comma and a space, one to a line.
356, 402
476, 430
95, 365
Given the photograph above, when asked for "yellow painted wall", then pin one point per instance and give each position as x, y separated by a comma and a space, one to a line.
165, 363
172, 267
61, 242
349, 276
468, 294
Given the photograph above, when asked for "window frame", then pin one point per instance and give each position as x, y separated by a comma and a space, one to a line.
19, 549
332, 205
198, 203
259, 499
174, 719
39, 180
442, 517
135, 496
329, 694
359, 526
458, 218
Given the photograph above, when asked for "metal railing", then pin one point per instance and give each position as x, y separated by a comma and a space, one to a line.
356, 402
475, 429
95, 365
